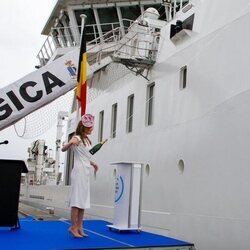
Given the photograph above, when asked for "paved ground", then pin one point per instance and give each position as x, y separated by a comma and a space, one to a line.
26, 210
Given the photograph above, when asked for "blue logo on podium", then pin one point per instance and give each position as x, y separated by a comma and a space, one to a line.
119, 188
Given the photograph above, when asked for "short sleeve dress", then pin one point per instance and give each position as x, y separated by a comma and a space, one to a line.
80, 181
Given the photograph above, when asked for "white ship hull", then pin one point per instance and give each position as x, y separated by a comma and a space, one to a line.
196, 152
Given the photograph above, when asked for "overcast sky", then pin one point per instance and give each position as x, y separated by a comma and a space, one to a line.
21, 23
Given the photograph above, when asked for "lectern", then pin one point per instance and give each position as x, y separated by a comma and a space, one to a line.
10, 178
127, 202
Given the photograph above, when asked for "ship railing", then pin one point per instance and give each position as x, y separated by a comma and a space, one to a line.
105, 45
139, 47
63, 39
111, 32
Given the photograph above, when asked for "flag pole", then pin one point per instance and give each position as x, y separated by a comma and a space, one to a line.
83, 18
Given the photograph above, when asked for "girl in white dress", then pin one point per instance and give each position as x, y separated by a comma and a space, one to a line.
80, 188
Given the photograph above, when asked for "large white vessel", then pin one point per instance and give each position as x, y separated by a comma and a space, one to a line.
169, 90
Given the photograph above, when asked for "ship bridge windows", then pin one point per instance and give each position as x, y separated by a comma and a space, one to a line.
58, 33
90, 27
130, 12
66, 28
108, 18
102, 18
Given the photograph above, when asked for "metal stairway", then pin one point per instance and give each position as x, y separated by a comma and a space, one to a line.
137, 50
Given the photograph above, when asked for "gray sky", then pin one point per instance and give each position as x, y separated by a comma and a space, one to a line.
20, 29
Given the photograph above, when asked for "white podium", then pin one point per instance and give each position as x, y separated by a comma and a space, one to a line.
127, 203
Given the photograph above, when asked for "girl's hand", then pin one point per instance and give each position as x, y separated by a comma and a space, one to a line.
95, 166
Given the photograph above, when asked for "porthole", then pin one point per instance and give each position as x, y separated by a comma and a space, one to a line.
147, 169
181, 166
114, 172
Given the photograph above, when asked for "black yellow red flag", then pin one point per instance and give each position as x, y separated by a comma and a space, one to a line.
81, 90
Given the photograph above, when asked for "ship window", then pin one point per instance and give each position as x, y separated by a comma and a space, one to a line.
149, 104
90, 27
108, 18
183, 77
178, 5
181, 166
114, 120
185, 2
130, 110
101, 120
130, 12
160, 8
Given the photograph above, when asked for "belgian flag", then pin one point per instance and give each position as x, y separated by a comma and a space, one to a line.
81, 90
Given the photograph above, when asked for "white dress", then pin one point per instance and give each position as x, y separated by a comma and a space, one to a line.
80, 186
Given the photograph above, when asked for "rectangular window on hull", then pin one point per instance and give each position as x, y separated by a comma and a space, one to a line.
114, 120
130, 110
183, 77
100, 130
150, 104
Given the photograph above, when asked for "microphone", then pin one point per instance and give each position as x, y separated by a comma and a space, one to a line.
4, 142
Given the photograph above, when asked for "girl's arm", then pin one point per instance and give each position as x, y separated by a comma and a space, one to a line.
72, 141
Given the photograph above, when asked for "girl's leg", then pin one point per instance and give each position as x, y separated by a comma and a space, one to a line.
80, 222
74, 222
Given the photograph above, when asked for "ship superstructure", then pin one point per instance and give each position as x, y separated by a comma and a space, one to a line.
105, 23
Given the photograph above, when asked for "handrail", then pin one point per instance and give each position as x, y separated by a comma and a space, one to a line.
139, 45
62, 37
108, 42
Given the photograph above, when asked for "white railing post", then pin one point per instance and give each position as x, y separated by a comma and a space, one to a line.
98, 23
50, 48
181, 4
175, 5
94, 31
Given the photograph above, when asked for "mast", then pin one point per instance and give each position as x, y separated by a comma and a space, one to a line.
60, 118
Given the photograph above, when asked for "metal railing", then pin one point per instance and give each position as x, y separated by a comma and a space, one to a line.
139, 49
103, 45
68, 37
173, 6
106, 44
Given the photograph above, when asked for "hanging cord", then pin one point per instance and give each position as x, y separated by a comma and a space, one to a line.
24, 130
